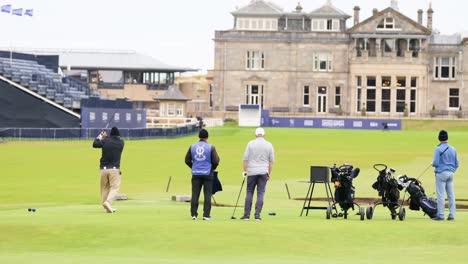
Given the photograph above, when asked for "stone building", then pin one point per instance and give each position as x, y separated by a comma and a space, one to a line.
310, 63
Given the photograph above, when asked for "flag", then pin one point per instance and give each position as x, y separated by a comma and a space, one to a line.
17, 12
6, 8
28, 12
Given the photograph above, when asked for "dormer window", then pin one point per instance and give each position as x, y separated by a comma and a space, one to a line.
325, 25
386, 23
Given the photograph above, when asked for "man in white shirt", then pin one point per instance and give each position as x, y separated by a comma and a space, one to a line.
257, 164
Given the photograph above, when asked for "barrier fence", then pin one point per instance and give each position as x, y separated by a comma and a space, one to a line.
89, 133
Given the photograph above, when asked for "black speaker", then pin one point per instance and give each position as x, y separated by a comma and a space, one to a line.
319, 174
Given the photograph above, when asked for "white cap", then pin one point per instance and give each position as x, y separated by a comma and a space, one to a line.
259, 132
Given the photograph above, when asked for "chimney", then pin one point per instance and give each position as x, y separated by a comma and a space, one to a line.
420, 16
430, 12
356, 15
374, 11
298, 8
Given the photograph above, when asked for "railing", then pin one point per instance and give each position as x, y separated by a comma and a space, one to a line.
90, 133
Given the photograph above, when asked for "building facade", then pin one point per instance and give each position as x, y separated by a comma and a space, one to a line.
310, 63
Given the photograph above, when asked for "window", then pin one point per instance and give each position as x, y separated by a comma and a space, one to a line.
444, 68
370, 103
370, 93
323, 61
110, 76
359, 89
454, 98
263, 24
400, 102
255, 60
386, 95
371, 81
386, 23
337, 96
401, 82
211, 95
325, 25
306, 96
414, 82
254, 94
180, 110
386, 81
170, 109
413, 101
329, 24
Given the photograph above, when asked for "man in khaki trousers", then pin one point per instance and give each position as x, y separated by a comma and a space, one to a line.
112, 148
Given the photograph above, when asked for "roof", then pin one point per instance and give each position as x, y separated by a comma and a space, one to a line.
380, 14
109, 60
328, 10
172, 94
259, 7
446, 39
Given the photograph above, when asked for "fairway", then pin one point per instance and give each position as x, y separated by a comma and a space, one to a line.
61, 180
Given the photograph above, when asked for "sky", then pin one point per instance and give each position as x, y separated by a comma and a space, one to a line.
176, 32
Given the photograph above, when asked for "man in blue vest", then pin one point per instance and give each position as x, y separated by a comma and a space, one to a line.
445, 163
203, 159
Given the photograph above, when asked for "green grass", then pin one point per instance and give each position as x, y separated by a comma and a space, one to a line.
61, 180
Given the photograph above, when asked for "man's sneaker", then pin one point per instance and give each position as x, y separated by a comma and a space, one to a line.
245, 218
258, 218
450, 218
194, 217
438, 218
209, 218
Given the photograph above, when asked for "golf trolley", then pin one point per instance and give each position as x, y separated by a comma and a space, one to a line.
342, 177
389, 189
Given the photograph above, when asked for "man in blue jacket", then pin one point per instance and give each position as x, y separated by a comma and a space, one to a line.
445, 163
203, 159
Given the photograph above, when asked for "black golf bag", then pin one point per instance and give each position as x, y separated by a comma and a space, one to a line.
418, 199
387, 187
344, 192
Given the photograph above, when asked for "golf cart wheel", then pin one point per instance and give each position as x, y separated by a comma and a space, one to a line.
402, 214
335, 215
369, 212
393, 216
340, 214
329, 212
361, 213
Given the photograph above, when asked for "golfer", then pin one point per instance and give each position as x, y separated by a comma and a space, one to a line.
445, 163
257, 163
203, 159
112, 148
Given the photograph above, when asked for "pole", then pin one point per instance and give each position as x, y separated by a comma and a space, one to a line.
168, 183
287, 189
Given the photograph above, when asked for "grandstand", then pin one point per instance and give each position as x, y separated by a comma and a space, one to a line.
52, 81
45, 82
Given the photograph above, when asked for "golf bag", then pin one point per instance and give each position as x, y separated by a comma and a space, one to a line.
344, 192
387, 187
418, 199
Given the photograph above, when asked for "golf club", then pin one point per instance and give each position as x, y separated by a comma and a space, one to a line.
430, 165
110, 119
238, 196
